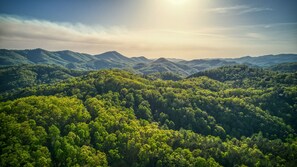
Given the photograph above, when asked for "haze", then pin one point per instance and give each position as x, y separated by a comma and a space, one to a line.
187, 29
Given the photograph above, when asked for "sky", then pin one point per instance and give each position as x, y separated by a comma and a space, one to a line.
185, 29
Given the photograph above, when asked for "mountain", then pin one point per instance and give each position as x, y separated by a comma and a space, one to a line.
113, 59
39, 56
73, 57
232, 115
141, 59
11, 57
163, 65
175, 60
266, 60
103, 64
204, 64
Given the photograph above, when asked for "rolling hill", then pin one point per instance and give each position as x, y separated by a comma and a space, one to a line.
266, 60
113, 59
219, 117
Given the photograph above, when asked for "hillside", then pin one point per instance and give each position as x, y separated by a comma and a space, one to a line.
116, 118
244, 76
21, 76
266, 60
148, 83
284, 67
142, 65
204, 64
163, 65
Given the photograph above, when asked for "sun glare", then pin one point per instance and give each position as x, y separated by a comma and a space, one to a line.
177, 2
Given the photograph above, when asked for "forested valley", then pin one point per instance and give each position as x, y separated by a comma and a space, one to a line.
228, 116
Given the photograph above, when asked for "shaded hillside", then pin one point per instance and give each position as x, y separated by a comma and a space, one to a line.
113, 59
116, 118
16, 77
163, 65
229, 73
114, 56
67, 59
183, 93
245, 76
141, 59
285, 67
267, 60
204, 64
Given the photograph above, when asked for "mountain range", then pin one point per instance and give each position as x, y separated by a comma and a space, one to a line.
229, 113
113, 59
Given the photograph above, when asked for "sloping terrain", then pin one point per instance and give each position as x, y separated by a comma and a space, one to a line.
21, 76
284, 67
142, 65
116, 118
266, 60
163, 65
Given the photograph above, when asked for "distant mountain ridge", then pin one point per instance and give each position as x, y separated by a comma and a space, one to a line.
114, 59
266, 60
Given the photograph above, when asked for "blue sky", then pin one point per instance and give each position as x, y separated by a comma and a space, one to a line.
186, 29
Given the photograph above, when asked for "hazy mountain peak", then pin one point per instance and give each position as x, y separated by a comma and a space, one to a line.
161, 60
65, 51
114, 59
140, 59
110, 54
37, 50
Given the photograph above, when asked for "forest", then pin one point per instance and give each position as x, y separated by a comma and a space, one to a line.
228, 116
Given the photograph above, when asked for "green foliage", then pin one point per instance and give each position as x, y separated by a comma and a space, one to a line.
115, 118
21, 76
115, 60
285, 67
164, 76
242, 76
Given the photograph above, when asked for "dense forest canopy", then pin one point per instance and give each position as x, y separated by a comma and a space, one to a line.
21, 76
285, 67
228, 116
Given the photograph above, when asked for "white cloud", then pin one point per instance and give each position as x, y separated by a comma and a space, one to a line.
15, 27
23, 33
228, 9
238, 10
20, 33
254, 10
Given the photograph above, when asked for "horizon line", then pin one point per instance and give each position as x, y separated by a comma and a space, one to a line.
48, 50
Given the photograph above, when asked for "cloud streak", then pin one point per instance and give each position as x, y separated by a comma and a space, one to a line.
21, 33
238, 10
17, 32
15, 27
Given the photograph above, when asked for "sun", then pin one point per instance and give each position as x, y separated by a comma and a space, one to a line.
177, 2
